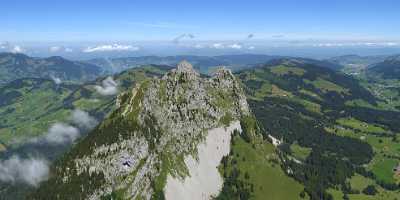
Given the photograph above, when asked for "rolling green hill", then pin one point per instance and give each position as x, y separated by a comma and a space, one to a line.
388, 69
29, 106
16, 66
327, 138
355, 64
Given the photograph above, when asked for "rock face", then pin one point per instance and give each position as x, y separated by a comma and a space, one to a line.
157, 126
204, 180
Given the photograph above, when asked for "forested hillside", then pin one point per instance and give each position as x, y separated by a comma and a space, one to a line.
328, 140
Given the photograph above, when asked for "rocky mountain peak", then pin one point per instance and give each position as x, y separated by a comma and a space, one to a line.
184, 72
223, 73
185, 67
156, 125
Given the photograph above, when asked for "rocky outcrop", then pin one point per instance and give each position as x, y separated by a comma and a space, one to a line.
157, 124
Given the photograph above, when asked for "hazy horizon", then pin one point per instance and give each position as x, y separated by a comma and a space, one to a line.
89, 29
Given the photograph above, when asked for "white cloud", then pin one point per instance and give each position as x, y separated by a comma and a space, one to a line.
17, 49
60, 133
108, 87
4, 45
56, 79
31, 170
251, 48
83, 119
198, 46
359, 44
235, 46
226, 46
112, 47
218, 46
56, 49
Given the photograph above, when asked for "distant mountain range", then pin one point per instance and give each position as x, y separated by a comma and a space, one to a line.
355, 64
388, 69
15, 66
204, 64
356, 59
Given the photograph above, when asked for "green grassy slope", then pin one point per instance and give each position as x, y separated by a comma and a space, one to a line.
302, 103
16, 66
256, 165
29, 106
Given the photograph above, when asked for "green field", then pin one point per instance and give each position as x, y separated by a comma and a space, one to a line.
261, 165
40, 103
385, 148
300, 152
359, 125
358, 183
326, 86
283, 70
383, 169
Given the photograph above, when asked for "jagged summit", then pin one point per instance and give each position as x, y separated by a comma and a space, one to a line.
223, 72
185, 66
183, 72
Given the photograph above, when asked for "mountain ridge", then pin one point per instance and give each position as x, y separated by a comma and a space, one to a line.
387, 69
15, 65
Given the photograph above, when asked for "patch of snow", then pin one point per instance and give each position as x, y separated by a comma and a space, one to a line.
205, 180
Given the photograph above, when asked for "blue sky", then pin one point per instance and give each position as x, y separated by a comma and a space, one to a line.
123, 20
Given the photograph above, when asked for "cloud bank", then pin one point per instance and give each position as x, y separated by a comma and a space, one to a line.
33, 170
83, 120
17, 49
60, 133
112, 47
6, 46
56, 80
56, 49
108, 87
30, 171
366, 44
236, 46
